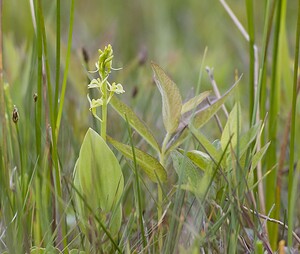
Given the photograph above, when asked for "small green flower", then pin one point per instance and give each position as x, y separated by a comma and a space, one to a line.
94, 104
117, 88
95, 83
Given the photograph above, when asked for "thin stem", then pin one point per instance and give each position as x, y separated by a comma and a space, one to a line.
164, 147
65, 78
3, 150
20, 154
293, 125
39, 86
249, 5
38, 126
272, 128
104, 112
57, 56
160, 191
159, 215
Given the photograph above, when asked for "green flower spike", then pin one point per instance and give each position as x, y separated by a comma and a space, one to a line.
105, 61
107, 90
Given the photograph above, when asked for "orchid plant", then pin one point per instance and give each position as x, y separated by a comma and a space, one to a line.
98, 178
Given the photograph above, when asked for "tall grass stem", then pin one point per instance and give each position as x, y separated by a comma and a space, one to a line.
296, 86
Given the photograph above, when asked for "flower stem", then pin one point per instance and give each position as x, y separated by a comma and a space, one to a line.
104, 112
162, 160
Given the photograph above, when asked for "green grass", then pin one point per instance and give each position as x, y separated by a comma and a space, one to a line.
196, 178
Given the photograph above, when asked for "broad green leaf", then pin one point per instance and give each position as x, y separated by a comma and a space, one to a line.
194, 102
122, 109
99, 179
232, 128
203, 115
149, 164
200, 159
171, 99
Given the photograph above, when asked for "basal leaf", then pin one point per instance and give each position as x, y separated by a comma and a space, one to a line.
171, 99
232, 128
149, 164
99, 179
194, 102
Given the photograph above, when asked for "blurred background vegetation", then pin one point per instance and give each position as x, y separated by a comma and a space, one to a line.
172, 33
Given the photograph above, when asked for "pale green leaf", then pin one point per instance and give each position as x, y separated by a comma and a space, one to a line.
232, 128
200, 159
171, 99
123, 110
194, 102
151, 166
99, 179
